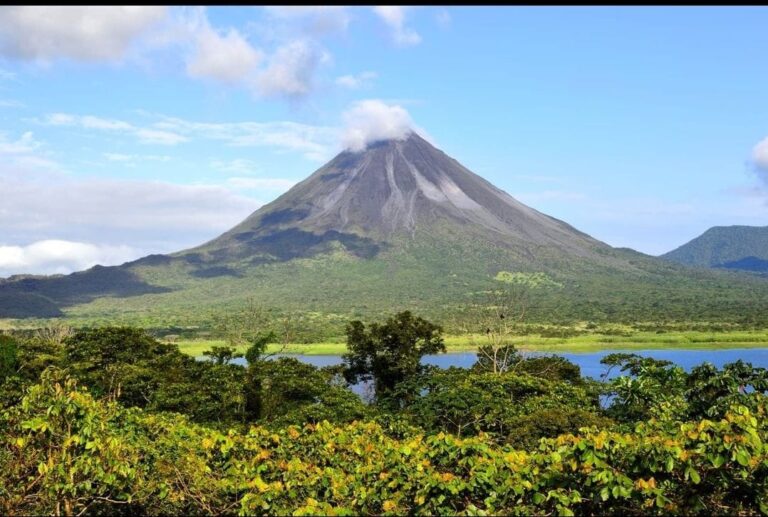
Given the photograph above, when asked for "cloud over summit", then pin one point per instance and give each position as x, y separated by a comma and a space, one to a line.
371, 120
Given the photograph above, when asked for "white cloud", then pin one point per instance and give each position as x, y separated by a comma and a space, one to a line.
56, 201
148, 216
394, 17
60, 119
260, 183
371, 120
144, 135
59, 256
313, 19
760, 158
355, 82
284, 66
291, 70
291, 39
76, 32
227, 58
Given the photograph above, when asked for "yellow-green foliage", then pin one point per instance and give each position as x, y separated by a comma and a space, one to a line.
63, 452
532, 280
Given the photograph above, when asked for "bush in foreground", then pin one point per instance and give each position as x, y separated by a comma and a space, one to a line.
65, 453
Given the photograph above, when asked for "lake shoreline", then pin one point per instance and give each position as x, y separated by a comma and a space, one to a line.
571, 345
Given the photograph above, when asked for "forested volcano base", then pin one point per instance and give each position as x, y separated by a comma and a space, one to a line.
86, 428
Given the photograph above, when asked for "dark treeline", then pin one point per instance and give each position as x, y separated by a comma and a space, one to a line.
110, 420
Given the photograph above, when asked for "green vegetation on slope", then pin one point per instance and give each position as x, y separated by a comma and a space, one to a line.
444, 283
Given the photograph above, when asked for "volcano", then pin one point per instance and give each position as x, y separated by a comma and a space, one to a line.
395, 190
398, 225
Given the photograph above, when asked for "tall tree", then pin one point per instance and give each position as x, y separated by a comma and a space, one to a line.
390, 353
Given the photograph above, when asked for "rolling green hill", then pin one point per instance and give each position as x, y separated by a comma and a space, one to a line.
398, 226
727, 247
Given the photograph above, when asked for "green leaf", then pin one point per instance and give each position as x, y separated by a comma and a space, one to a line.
717, 461
742, 457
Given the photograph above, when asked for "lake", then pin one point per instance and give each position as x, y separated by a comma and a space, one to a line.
588, 362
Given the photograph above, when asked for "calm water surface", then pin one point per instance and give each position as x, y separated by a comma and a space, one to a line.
588, 362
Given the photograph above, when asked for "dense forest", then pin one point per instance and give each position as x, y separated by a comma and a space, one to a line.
111, 420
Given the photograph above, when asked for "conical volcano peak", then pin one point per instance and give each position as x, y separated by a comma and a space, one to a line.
399, 188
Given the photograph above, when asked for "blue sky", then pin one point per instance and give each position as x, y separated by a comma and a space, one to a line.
148, 130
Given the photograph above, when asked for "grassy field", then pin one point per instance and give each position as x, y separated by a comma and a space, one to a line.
578, 344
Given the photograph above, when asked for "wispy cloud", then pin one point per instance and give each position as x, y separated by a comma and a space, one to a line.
315, 19
143, 134
291, 70
154, 136
25, 152
394, 17
22, 145
357, 81
314, 142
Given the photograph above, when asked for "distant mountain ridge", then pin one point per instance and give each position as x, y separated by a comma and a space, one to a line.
727, 247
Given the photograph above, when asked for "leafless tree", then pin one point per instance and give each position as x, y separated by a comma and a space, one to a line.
497, 319
242, 327
54, 333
